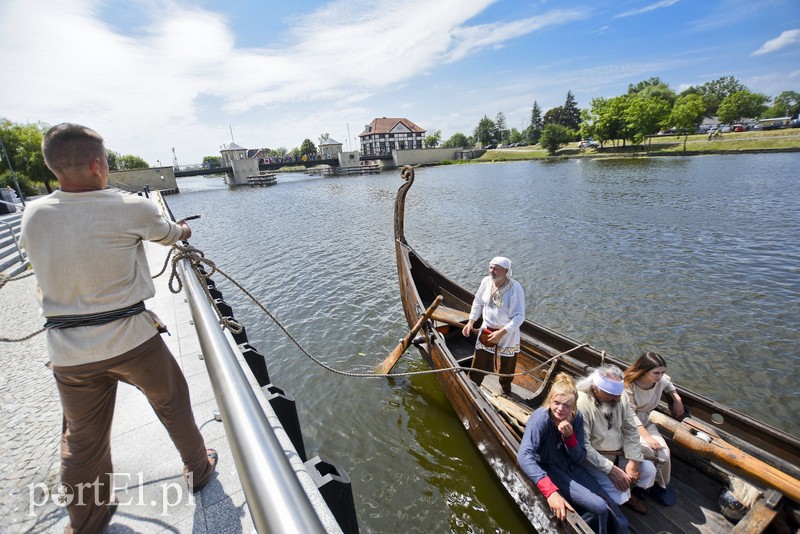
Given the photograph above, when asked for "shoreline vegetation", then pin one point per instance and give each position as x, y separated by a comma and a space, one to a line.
784, 140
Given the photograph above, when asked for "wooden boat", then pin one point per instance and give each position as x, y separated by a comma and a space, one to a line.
710, 449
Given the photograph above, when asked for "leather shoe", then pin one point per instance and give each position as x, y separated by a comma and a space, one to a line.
213, 458
637, 505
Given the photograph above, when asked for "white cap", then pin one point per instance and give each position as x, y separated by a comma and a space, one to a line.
502, 261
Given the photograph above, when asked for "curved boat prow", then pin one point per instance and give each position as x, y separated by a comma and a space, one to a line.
407, 172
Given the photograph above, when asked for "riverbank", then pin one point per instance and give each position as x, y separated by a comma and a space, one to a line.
786, 140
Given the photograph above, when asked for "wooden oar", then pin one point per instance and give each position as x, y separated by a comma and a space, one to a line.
705, 442
401, 347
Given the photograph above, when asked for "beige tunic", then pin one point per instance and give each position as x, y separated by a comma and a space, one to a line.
621, 436
88, 255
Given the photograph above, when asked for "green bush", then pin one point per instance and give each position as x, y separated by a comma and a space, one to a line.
27, 187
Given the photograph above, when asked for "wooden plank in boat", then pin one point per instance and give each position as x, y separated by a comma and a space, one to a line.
761, 514
492, 384
445, 314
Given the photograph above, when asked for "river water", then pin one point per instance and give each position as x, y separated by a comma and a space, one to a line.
696, 258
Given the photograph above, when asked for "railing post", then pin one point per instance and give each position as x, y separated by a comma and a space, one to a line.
16, 242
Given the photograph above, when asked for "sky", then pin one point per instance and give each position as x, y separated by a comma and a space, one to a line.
159, 78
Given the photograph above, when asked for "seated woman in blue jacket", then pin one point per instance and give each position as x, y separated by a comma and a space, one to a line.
552, 453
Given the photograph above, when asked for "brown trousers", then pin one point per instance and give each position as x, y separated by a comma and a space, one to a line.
88, 394
485, 360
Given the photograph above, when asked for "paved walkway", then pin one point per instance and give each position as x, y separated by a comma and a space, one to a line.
153, 497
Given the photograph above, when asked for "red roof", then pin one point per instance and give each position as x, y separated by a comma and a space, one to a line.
385, 125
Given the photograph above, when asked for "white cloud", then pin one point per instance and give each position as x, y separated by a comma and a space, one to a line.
787, 38
143, 93
647, 9
473, 38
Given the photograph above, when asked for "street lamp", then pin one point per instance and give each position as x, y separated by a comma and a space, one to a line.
13, 176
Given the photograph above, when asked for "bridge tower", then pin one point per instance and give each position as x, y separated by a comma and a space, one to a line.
235, 157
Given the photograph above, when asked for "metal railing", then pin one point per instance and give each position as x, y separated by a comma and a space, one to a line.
16, 241
274, 495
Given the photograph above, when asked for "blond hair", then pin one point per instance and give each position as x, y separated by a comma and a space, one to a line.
563, 384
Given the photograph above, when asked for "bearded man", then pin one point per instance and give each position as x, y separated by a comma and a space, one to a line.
500, 301
613, 454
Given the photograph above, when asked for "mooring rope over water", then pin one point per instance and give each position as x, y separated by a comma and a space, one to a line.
197, 260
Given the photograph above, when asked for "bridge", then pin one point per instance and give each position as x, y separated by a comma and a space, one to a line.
272, 166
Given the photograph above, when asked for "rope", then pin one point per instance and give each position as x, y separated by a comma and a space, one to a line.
4, 279
196, 259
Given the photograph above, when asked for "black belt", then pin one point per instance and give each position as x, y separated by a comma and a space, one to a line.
93, 319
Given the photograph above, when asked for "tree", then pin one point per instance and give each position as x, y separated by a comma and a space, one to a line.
571, 115
433, 140
786, 104
23, 144
686, 115
501, 134
554, 116
587, 125
307, 148
279, 152
742, 105
323, 137
457, 140
125, 162
535, 129
485, 131
212, 162
653, 87
644, 116
515, 136
715, 92
608, 118
555, 135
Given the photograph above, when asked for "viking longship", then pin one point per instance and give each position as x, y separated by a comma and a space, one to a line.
713, 449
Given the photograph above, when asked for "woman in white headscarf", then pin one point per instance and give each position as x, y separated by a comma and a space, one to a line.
500, 301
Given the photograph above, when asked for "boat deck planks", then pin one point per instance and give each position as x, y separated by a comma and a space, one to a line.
694, 512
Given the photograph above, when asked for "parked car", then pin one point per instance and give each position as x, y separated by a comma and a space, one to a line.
724, 128
739, 128
777, 125
588, 143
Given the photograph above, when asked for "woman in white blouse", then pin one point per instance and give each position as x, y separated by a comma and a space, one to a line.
645, 381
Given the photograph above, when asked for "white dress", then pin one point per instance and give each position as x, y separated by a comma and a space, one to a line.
644, 401
504, 308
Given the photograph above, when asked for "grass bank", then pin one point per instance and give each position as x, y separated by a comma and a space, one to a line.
753, 141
